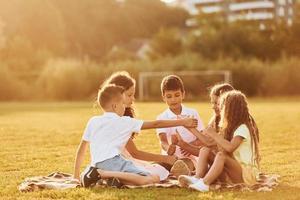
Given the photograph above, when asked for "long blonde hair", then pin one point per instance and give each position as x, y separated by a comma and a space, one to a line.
234, 113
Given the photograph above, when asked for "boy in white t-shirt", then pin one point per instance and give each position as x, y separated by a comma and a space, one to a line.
178, 140
107, 135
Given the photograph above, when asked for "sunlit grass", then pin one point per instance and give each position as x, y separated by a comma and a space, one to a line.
39, 138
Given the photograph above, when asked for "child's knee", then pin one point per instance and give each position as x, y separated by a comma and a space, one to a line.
204, 151
221, 155
155, 178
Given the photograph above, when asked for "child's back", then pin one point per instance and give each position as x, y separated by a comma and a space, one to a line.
108, 134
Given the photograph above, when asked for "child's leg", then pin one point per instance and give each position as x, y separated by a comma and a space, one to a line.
125, 171
221, 162
202, 164
129, 178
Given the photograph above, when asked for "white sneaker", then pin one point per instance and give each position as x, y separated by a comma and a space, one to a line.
200, 186
186, 181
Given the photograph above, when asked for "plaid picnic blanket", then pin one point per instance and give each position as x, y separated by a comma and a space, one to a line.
59, 181
55, 180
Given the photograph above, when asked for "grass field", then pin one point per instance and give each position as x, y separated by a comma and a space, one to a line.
39, 138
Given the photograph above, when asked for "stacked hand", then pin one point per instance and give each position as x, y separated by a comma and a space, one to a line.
211, 132
171, 149
181, 142
171, 160
174, 139
190, 122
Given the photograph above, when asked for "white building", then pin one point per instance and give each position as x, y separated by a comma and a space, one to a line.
233, 10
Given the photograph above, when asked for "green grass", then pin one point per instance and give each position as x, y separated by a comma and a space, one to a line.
39, 138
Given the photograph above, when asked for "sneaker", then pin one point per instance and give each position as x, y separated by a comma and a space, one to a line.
114, 182
200, 186
90, 177
186, 181
180, 168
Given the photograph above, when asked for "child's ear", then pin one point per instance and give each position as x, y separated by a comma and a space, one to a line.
113, 106
163, 97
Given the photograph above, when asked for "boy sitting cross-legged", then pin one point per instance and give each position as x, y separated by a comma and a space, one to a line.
107, 135
178, 141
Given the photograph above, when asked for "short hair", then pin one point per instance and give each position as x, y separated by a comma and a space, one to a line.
171, 82
108, 93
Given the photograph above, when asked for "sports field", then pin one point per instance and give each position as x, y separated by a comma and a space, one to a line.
39, 138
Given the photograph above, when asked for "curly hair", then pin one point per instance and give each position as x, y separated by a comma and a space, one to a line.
234, 113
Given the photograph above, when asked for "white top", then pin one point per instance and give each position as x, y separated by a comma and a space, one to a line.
108, 134
184, 133
243, 154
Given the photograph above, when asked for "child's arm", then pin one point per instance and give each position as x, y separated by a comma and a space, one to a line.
79, 158
187, 122
186, 148
228, 146
205, 140
142, 155
169, 148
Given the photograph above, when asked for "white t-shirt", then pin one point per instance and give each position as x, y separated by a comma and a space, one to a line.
184, 133
243, 154
108, 135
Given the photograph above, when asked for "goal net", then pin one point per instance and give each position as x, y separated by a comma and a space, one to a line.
196, 83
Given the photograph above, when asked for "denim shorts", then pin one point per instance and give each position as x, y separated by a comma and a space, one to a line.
119, 164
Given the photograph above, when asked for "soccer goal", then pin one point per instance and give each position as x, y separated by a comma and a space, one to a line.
196, 82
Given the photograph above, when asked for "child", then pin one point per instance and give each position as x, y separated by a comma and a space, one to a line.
238, 153
215, 93
107, 136
131, 152
184, 144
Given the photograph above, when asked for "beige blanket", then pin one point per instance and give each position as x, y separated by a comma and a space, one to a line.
59, 181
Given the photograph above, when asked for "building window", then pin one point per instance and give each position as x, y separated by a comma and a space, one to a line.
282, 2
281, 11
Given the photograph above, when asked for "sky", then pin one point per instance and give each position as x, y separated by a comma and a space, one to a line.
168, 1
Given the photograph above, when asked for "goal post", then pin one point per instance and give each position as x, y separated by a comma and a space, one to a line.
144, 77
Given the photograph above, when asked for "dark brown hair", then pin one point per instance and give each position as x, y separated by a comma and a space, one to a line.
108, 93
171, 82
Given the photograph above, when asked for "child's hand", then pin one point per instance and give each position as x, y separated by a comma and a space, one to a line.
171, 160
190, 122
174, 139
76, 178
185, 153
179, 139
211, 132
171, 150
